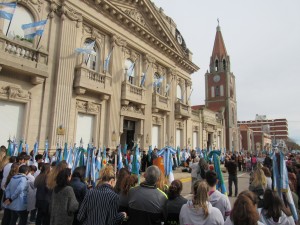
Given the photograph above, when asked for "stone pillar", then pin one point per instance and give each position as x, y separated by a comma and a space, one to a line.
63, 86
148, 63
117, 71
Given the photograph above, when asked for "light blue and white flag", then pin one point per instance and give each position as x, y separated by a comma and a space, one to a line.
87, 49
107, 60
34, 29
158, 82
7, 10
131, 70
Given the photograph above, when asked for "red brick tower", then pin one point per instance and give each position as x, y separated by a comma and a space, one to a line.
220, 91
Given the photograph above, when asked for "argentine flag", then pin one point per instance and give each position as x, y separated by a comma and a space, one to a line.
107, 60
88, 49
33, 29
7, 10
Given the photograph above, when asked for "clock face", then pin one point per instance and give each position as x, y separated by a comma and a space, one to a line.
217, 78
179, 39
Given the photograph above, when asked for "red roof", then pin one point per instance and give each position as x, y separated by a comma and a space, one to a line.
219, 49
198, 107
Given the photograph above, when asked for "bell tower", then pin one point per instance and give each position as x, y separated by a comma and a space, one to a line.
220, 92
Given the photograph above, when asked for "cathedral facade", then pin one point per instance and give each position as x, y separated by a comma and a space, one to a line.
135, 89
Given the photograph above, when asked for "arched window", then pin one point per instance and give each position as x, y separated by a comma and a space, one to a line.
224, 64
179, 93
21, 16
130, 70
92, 61
217, 91
157, 83
216, 65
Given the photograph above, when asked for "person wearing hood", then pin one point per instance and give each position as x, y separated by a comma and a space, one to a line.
273, 211
216, 198
199, 211
16, 196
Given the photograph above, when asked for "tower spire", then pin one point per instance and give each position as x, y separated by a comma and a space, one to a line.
219, 49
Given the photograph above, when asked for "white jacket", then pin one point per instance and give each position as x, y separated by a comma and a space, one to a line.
192, 216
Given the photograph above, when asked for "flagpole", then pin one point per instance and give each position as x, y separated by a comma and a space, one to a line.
144, 75
11, 19
42, 33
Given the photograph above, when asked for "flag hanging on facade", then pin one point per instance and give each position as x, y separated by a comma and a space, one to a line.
190, 95
107, 60
7, 10
131, 70
88, 49
34, 29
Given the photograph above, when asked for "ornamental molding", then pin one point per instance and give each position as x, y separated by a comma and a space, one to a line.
149, 58
157, 120
66, 11
132, 108
136, 15
87, 107
179, 125
93, 33
195, 128
116, 40
37, 3
15, 92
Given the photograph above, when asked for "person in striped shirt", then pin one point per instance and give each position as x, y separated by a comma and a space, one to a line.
100, 205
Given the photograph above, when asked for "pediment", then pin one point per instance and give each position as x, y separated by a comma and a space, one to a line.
145, 20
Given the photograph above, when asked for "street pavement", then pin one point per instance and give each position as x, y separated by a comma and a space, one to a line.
243, 182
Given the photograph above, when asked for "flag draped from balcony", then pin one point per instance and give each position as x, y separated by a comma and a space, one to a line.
221, 184
34, 29
7, 10
88, 49
107, 60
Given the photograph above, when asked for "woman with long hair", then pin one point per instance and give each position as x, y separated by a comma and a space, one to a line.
51, 179
162, 183
244, 210
120, 177
42, 196
199, 211
79, 187
100, 205
274, 211
128, 182
258, 184
63, 202
268, 175
174, 203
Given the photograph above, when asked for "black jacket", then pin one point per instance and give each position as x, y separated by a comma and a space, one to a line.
231, 167
173, 208
146, 205
79, 188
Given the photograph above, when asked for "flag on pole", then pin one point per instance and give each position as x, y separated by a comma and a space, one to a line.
120, 158
7, 10
88, 49
131, 70
46, 156
107, 60
34, 29
35, 150
20, 146
27, 148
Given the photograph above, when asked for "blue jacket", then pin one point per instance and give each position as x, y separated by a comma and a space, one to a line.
17, 190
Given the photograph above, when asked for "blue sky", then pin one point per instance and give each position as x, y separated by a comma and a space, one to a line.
263, 41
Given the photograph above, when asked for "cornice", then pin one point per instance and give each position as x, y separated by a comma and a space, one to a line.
133, 22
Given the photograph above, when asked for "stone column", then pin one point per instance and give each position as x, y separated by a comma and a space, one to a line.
116, 69
148, 63
63, 86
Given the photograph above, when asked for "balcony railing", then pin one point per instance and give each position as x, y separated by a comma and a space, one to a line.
132, 93
89, 80
20, 56
160, 102
182, 110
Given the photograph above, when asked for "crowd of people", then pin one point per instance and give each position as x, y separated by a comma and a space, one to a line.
34, 192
